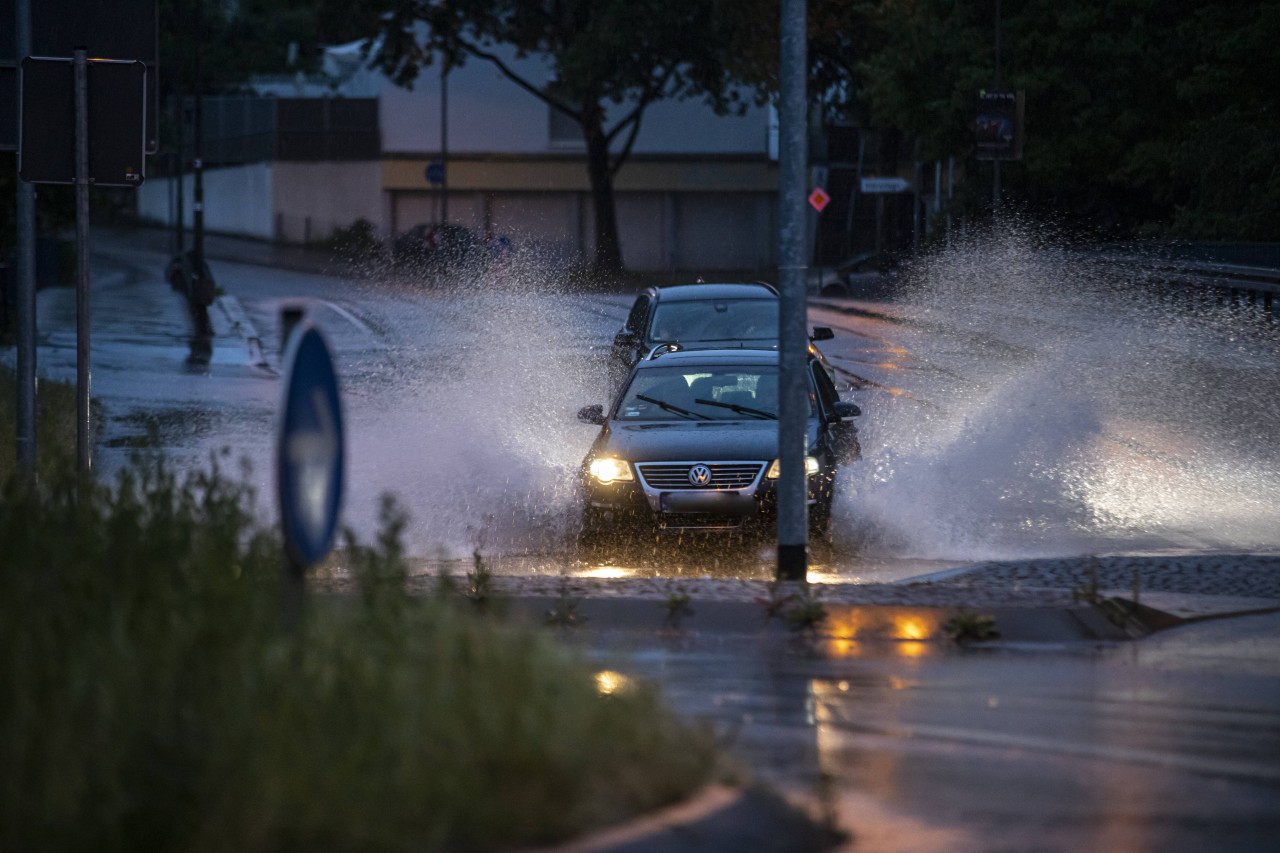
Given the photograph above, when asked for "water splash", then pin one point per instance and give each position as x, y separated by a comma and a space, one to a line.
1061, 408
481, 442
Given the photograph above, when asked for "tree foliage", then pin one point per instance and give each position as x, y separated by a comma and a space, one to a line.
607, 61
1143, 116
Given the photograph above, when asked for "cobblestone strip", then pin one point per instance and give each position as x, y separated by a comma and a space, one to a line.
1025, 583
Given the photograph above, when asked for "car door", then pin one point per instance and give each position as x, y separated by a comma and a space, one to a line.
844, 435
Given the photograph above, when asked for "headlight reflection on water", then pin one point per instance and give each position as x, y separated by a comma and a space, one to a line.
610, 683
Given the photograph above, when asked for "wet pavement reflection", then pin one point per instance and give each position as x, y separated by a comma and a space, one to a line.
1172, 743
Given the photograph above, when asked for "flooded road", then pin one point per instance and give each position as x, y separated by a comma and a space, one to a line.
1017, 402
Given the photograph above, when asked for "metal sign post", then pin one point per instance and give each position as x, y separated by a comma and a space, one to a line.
54, 149
84, 428
793, 340
26, 269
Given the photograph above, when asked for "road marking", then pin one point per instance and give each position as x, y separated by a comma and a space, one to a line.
1191, 763
348, 316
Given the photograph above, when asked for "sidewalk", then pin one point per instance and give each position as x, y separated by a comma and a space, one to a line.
241, 250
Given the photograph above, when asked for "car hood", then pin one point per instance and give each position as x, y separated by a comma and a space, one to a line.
703, 441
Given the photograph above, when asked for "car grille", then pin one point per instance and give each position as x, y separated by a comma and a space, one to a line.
670, 476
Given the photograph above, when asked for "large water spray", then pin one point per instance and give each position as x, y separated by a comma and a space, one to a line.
1065, 405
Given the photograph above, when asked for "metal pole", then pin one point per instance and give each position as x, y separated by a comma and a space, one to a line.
197, 206
84, 427
937, 194
793, 523
951, 183
26, 283
180, 221
995, 162
444, 141
915, 209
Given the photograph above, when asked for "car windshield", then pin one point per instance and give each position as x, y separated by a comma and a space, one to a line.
702, 394
716, 320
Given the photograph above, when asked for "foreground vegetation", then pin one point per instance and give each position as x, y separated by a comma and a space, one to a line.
150, 698
55, 425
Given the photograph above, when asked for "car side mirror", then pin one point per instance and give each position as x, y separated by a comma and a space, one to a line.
847, 410
822, 333
626, 338
593, 414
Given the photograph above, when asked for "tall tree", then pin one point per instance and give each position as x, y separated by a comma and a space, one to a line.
609, 60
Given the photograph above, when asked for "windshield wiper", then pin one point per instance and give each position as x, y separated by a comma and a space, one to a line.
744, 410
672, 407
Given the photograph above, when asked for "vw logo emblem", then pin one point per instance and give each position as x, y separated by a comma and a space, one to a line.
699, 475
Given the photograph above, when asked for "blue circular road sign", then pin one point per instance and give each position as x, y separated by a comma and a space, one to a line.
435, 173
309, 449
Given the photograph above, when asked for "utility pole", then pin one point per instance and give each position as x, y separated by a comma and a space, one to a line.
444, 140
26, 270
793, 341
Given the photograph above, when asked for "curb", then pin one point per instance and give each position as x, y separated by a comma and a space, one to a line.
862, 622
718, 819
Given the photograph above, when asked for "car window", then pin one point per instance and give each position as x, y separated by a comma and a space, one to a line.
754, 388
716, 320
639, 313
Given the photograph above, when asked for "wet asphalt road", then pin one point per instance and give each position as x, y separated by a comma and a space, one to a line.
1168, 744
999, 424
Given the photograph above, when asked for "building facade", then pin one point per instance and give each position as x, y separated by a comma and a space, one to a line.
698, 192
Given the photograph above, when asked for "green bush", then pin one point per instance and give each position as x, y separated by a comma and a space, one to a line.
150, 698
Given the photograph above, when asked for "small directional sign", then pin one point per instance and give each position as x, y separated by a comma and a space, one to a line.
434, 173
818, 199
309, 450
885, 185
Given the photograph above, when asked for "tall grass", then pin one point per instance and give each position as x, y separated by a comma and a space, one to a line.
151, 700
55, 425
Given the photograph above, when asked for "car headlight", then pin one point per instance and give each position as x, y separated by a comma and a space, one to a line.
608, 470
775, 470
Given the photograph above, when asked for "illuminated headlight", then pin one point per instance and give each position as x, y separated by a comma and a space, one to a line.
775, 470
610, 470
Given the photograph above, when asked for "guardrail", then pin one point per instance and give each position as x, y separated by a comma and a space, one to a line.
1204, 284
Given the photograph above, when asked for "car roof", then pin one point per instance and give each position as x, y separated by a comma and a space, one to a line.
712, 357
698, 291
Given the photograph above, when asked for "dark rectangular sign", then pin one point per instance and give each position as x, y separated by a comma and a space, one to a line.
107, 29
117, 121
998, 130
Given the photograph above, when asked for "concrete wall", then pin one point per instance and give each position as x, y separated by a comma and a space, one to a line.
295, 202
330, 195
237, 200
660, 231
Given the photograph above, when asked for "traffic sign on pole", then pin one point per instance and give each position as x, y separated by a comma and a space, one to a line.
819, 199
117, 110
309, 450
885, 185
